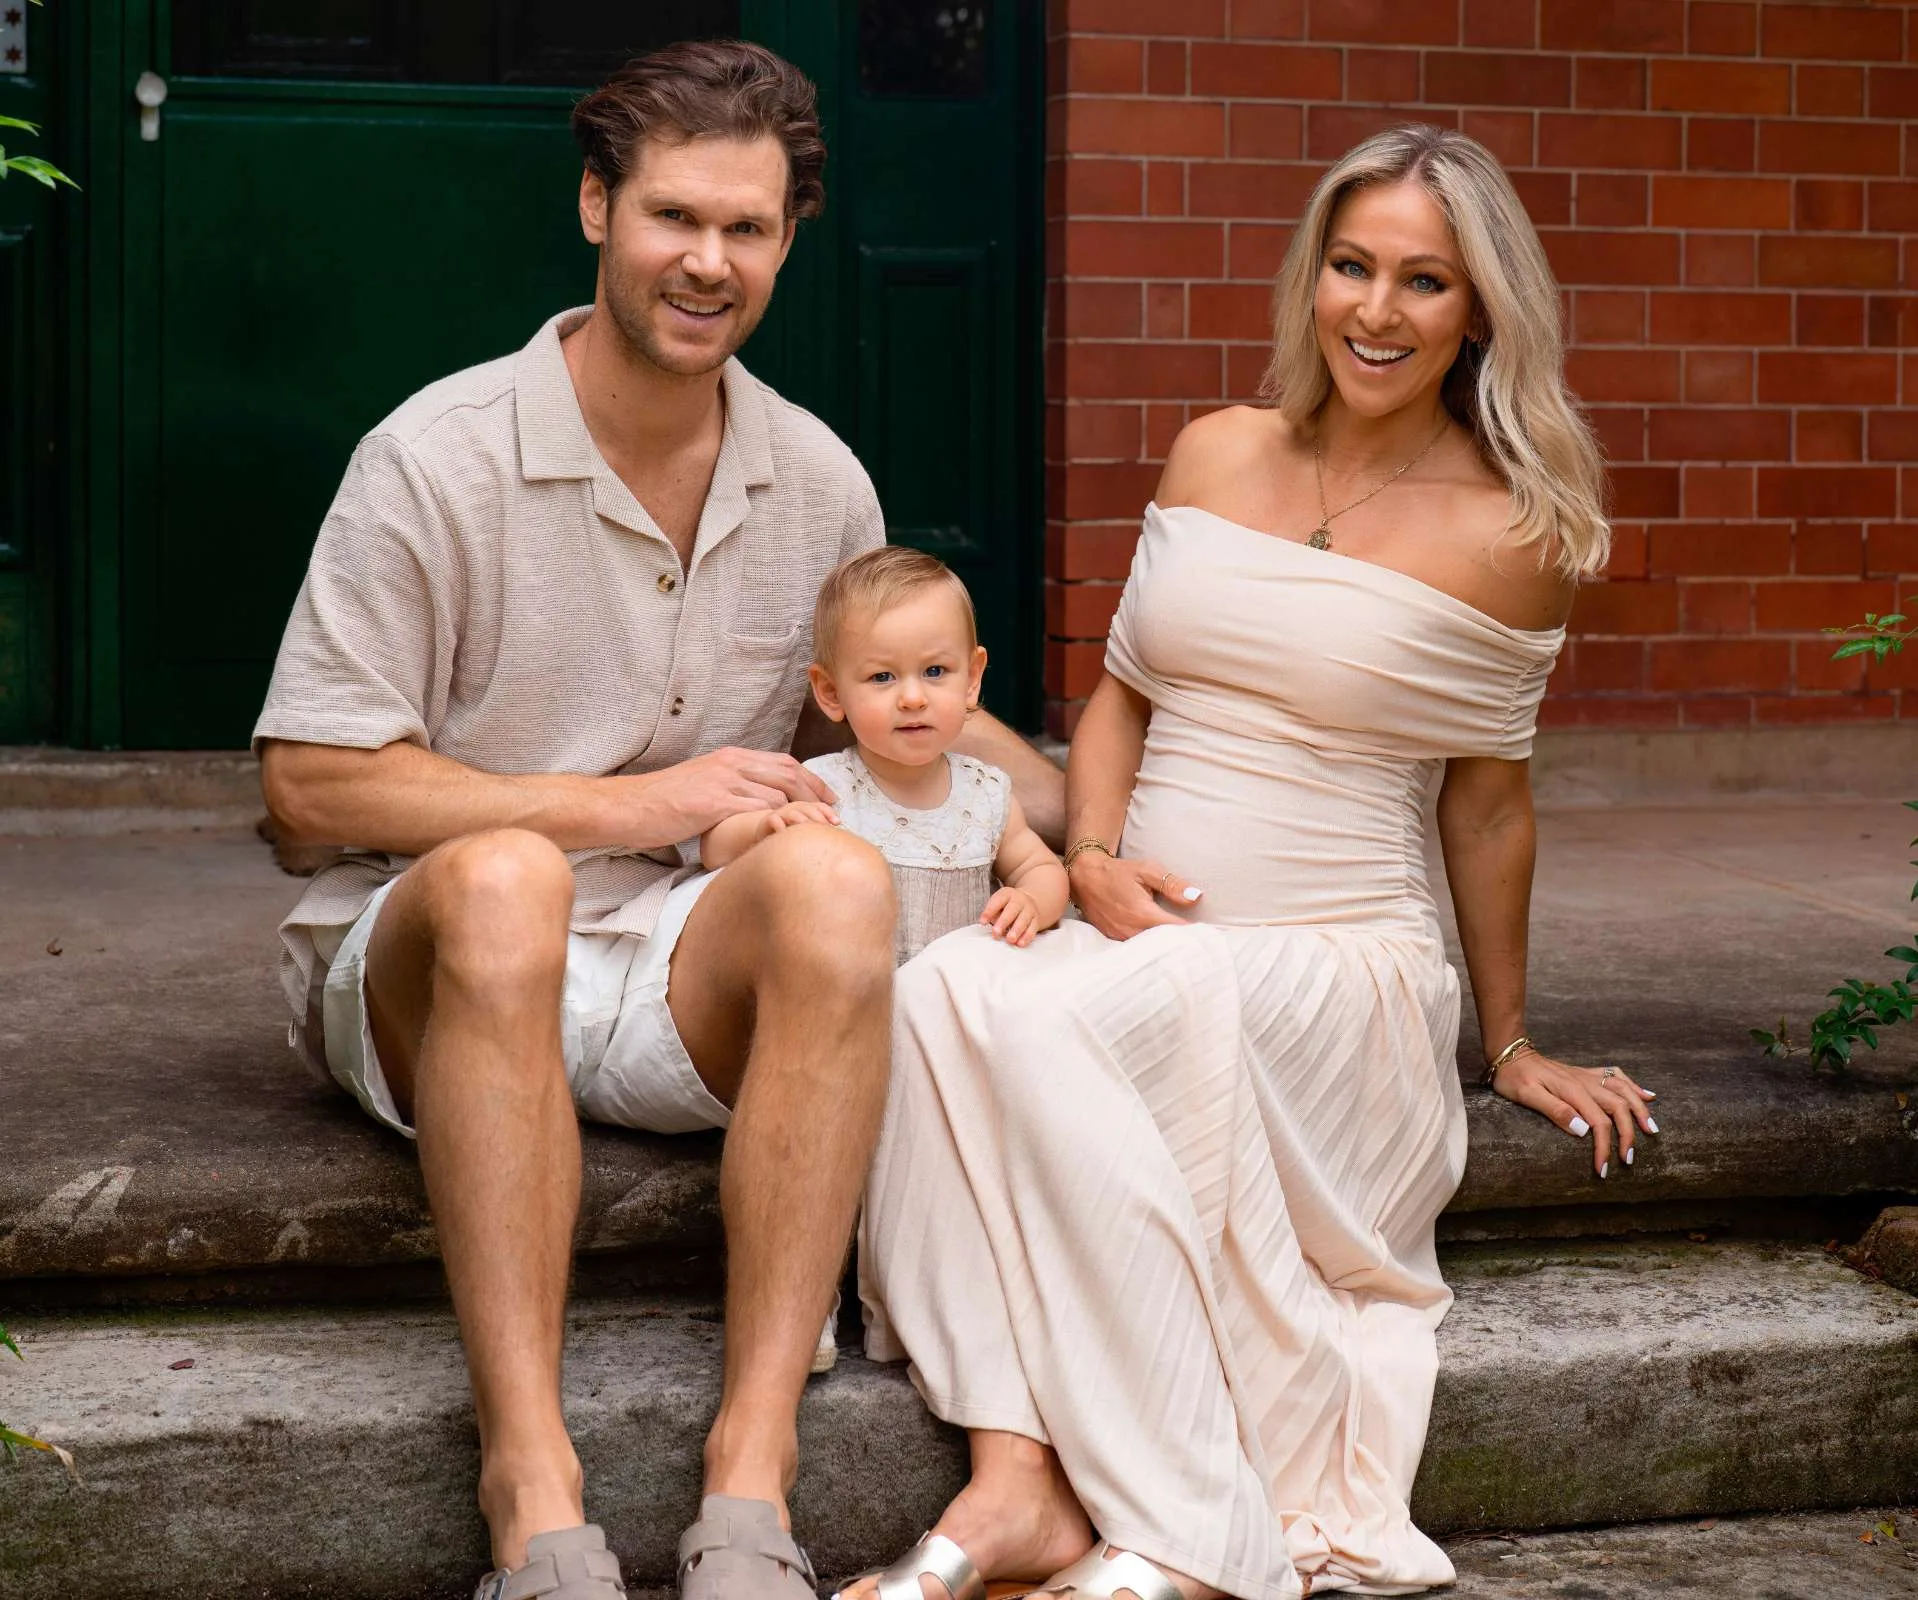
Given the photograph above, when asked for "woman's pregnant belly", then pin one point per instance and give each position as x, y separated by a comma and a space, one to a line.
1281, 832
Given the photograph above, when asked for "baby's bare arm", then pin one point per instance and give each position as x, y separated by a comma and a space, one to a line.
730, 838
1024, 863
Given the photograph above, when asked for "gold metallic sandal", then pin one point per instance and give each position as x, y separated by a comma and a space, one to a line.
1097, 1575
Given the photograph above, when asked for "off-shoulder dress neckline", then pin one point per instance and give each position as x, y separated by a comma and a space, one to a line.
1391, 575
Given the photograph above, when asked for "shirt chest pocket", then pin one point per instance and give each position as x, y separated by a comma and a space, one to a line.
763, 684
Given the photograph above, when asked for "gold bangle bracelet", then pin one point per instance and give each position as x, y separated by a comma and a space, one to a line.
1081, 846
1517, 1047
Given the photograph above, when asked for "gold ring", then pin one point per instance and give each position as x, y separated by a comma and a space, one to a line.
1608, 1074
1163, 881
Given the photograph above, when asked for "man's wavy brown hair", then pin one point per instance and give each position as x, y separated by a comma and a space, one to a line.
710, 88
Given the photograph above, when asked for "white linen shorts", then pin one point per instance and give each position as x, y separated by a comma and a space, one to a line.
624, 1057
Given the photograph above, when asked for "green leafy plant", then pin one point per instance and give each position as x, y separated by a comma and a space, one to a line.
13, 1442
1861, 1006
35, 167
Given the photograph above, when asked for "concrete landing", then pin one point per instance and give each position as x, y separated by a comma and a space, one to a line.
1805, 1557
156, 1123
333, 1453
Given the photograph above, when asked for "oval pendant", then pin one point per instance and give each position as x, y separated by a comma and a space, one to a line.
1321, 539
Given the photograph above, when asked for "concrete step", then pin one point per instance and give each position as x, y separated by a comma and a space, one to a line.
157, 1126
46, 792
332, 1452
1842, 1555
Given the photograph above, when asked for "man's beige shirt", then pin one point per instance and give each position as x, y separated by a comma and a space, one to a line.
486, 587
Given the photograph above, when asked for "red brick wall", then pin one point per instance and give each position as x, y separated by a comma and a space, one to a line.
1724, 190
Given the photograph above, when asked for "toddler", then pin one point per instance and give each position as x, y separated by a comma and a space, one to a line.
897, 657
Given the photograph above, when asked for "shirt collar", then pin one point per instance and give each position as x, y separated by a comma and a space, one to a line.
554, 442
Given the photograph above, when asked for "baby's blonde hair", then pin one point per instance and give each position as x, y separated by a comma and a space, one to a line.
874, 583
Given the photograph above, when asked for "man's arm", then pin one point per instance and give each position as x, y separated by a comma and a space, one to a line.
404, 799
1039, 786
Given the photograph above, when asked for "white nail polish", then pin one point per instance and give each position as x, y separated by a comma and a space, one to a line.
1604, 1167
1651, 1124
1191, 894
1631, 1155
1580, 1127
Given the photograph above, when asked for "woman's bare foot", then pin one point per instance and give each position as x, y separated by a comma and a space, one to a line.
1017, 1519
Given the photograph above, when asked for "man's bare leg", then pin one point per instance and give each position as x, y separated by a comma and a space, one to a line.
464, 976
781, 990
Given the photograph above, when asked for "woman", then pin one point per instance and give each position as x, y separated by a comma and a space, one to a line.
1153, 1211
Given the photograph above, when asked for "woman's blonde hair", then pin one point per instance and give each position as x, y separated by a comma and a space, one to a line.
1508, 384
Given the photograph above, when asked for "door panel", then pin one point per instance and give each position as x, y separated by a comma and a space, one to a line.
338, 263
308, 245
925, 385
32, 385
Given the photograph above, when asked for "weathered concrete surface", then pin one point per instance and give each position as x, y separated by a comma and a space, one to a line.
1820, 1556
155, 1118
1889, 1249
1717, 766
333, 1452
1659, 938
47, 792
155, 1121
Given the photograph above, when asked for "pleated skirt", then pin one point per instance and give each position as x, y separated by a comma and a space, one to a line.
1168, 1206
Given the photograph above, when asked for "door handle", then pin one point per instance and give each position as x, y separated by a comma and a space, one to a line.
150, 92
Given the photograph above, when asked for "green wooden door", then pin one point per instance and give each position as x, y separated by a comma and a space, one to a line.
348, 200
33, 226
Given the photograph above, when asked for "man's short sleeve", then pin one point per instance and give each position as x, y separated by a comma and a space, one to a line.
367, 657
865, 522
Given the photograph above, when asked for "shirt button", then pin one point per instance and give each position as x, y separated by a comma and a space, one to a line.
667, 583
679, 704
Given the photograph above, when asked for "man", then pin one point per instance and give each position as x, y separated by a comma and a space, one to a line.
556, 625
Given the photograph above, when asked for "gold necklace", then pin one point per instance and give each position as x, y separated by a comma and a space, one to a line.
1321, 536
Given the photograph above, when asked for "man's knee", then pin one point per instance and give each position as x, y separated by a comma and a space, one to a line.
498, 900
829, 900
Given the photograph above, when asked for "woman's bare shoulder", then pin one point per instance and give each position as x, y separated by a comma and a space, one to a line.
1525, 585
1220, 443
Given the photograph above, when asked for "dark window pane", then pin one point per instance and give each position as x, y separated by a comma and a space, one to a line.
582, 41
929, 49
434, 41
290, 38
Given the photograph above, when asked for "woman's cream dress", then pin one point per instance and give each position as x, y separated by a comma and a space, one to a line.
1168, 1203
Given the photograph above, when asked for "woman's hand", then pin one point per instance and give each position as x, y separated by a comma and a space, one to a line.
1603, 1102
1121, 898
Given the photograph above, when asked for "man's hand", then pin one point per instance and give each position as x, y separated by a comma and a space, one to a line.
686, 800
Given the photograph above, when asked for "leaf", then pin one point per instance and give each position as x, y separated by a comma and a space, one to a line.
7, 1340
1892, 620
1902, 952
44, 171
1857, 647
16, 122
11, 1440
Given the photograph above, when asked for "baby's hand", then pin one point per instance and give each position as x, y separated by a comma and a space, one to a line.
795, 812
1013, 915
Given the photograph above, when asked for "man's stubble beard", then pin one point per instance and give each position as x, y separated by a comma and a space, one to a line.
628, 305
